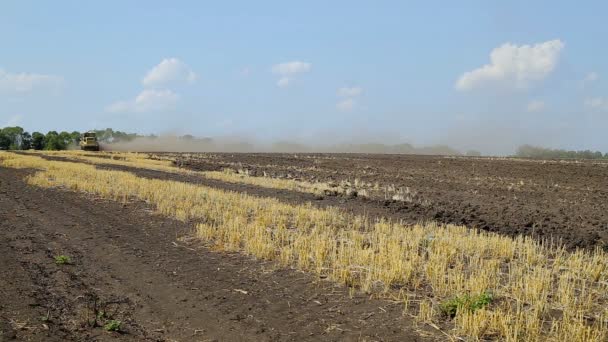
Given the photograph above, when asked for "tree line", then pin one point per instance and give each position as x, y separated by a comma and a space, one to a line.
529, 151
16, 138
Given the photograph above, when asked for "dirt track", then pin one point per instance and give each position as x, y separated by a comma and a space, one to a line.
565, 201
131, 265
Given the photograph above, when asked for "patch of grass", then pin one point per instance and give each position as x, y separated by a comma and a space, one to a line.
112, 325
466, 302
63, 260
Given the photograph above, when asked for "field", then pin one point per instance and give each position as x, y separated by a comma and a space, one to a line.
563, 200
176, 246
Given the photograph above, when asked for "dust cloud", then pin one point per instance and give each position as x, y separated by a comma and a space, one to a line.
171, 143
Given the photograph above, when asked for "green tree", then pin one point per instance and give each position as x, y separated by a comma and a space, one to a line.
14, 134
38, 141
26, 141
75, 136
54, 141
5, 141
66, 138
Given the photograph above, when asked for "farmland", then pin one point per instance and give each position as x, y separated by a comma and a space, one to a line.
565, 200
303, 247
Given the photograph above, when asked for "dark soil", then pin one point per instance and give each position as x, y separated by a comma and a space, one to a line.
549, 200
130, 265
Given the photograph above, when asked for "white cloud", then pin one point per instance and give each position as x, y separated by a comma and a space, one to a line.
346, 105
597, 103
26, 82
149, 100
288, 70
291, 68
514, 66
153, 99
535, 106
169, 70
350, 91
283, 82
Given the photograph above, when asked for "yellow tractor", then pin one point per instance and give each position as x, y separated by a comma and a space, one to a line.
88, 141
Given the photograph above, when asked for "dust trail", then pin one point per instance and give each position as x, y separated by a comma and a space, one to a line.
169, 143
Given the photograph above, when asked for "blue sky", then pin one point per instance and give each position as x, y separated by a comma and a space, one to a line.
314, 71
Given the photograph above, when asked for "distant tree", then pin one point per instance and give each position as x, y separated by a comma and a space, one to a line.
5, 141
109, 135
26, 141
66, 138
473, 153
105, 135
14, 134
54, 141
528, 151
75, 136
38, 141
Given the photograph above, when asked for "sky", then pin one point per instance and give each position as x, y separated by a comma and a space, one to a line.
486, 75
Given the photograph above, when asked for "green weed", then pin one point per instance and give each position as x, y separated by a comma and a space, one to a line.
112, 325
63, 260
466, 302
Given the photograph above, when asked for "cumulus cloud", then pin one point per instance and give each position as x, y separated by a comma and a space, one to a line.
154, 97
288, 70
26, 82
514, 66
346, 105
291, 68
535, 106
169, 70
350, 91
597, 103
149, 100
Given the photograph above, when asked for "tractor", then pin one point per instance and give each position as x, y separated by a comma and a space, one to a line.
88, 141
